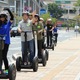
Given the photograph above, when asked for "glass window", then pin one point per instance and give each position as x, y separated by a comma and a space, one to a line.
58, 2
67, 2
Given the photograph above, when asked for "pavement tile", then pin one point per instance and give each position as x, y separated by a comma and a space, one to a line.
63, 64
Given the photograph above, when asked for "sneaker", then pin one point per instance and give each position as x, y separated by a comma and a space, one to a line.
6, 72
1, 72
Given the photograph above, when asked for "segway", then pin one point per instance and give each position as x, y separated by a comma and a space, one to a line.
12, 69
45, 43
19, 60
54, 38
43, 58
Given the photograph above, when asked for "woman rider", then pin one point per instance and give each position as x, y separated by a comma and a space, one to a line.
5, 30
38, 27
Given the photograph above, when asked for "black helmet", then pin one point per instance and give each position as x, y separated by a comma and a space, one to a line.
3, 14
36, 15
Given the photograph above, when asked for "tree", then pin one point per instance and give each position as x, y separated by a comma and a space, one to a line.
55, 10
47, 16
78, 3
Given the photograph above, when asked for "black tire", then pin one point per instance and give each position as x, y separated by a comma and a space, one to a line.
47, 55
35, 64
44, 60
12, 72
18, 64
55, 44
53, 47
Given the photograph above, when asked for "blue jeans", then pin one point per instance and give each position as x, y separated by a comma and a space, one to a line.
28, 46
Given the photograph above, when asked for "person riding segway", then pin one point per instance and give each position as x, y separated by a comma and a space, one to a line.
5, 23
28, 60
55, 34
38, 27
44, 35
49, 29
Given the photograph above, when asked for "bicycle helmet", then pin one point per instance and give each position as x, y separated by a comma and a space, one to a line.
41, 19
25, 12
3, 14
49, 19
30, 14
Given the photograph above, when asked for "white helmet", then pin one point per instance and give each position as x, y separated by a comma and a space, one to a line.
42, 19
4, 12
49, 19
25, 12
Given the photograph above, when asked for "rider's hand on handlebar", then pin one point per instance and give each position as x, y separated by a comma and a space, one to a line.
20, 31
39, 32
50, 30
35, 33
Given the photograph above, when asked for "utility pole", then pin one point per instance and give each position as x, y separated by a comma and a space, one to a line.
24, 1
15, 11
39, 7
77, 13
28, 3
21, 7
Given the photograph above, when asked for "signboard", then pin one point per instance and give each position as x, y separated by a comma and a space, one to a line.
42, 11
27, 8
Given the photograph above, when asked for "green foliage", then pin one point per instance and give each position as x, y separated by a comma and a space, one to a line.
64, 25
54, 20
55, 10
78, 3
69, 23
47, 16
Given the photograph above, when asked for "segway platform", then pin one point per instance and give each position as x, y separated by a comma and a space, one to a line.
12, 69
4, 76
27, 66
11, 74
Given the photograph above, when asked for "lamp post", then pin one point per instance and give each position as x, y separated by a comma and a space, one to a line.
77, 13
15, 6
15, 11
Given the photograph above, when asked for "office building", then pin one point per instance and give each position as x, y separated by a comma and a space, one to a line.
3, 3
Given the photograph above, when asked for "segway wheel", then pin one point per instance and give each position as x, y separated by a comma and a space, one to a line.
53, 47
18, 64
55, 43
44, 60
12, 72
35, 64
47, 55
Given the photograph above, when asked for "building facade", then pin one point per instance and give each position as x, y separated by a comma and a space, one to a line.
68, 5
3, 3
18, 6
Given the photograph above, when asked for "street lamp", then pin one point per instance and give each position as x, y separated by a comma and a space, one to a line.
15, 6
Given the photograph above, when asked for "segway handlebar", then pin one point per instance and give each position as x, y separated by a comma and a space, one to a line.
26, 31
